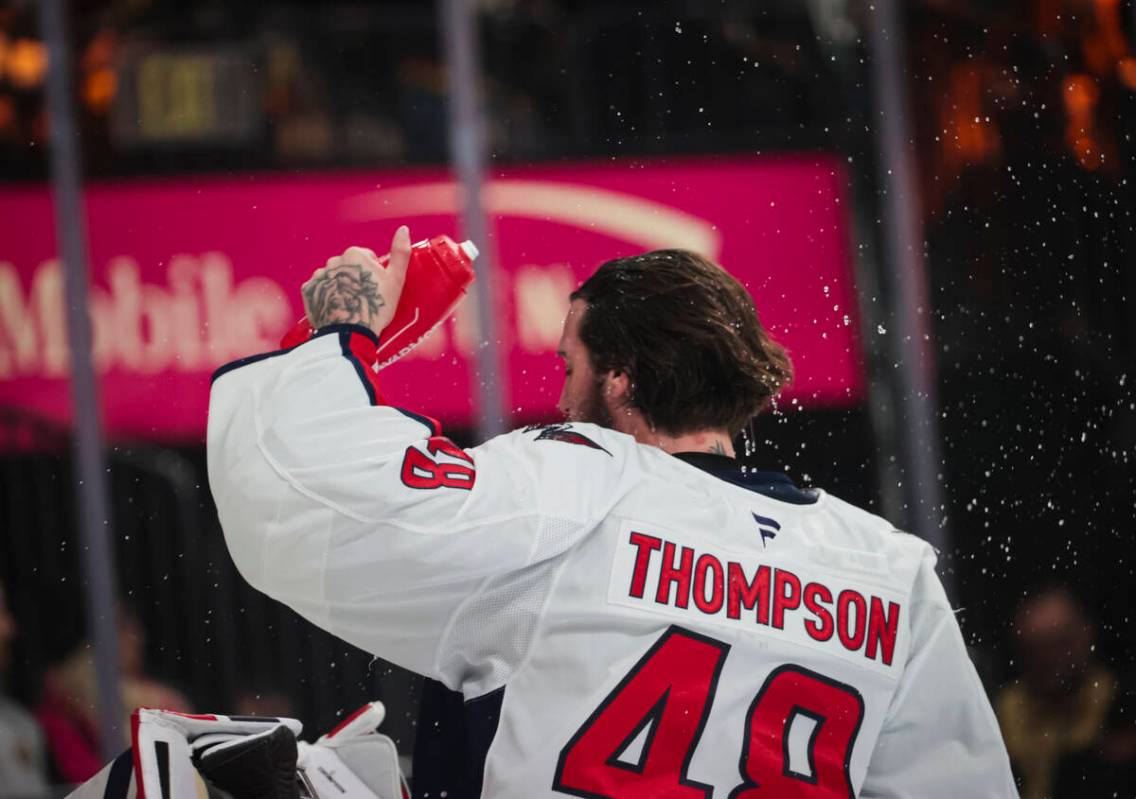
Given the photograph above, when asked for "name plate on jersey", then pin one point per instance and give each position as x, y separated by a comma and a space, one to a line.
791, 600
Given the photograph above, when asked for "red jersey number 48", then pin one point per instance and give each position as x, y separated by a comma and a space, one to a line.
665, 700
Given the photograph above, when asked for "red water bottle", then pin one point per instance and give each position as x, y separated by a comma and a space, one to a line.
437, 278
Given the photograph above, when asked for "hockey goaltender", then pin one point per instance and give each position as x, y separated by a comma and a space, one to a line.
630, 611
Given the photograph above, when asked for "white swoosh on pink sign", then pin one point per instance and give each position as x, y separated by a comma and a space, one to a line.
628, 217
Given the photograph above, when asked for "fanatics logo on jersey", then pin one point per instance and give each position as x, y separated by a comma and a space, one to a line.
764, 525
560, 432
655, 572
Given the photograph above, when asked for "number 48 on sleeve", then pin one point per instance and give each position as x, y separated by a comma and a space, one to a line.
670, 691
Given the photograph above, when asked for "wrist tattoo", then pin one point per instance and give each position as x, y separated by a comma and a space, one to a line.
346, 294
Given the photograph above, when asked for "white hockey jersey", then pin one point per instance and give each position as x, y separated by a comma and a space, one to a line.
642, 627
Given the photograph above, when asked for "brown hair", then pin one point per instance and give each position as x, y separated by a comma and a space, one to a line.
688, 336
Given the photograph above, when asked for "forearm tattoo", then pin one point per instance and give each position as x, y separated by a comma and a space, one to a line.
344, 294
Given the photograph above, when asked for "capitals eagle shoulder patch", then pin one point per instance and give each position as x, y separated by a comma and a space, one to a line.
561, 432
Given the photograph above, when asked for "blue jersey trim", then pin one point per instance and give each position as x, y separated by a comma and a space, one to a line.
224, 369
482, 717
345, 347
434, 428
774, 485
453, 741
118, 780
237, 364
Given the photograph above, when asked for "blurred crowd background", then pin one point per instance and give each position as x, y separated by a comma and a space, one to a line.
1024, 115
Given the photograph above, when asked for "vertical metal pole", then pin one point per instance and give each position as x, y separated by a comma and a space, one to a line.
907, 274
882, 391
90, 465
467, 153
831, 19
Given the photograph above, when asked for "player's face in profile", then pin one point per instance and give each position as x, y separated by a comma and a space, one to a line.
581, 399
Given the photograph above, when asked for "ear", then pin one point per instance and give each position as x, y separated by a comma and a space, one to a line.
617, 388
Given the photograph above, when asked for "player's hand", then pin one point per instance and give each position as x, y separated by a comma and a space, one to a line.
357, 288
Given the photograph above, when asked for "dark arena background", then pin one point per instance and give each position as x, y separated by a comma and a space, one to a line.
965, 357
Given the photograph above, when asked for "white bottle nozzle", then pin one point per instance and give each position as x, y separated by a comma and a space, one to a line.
470, 249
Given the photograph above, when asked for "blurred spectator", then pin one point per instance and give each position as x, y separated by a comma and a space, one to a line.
422, 105
1059, 718
22, 762
296, 103
266, 699
1110, 768
68, 704
138, 688
67, 712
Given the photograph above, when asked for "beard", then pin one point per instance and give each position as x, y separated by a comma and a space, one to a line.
594, 409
